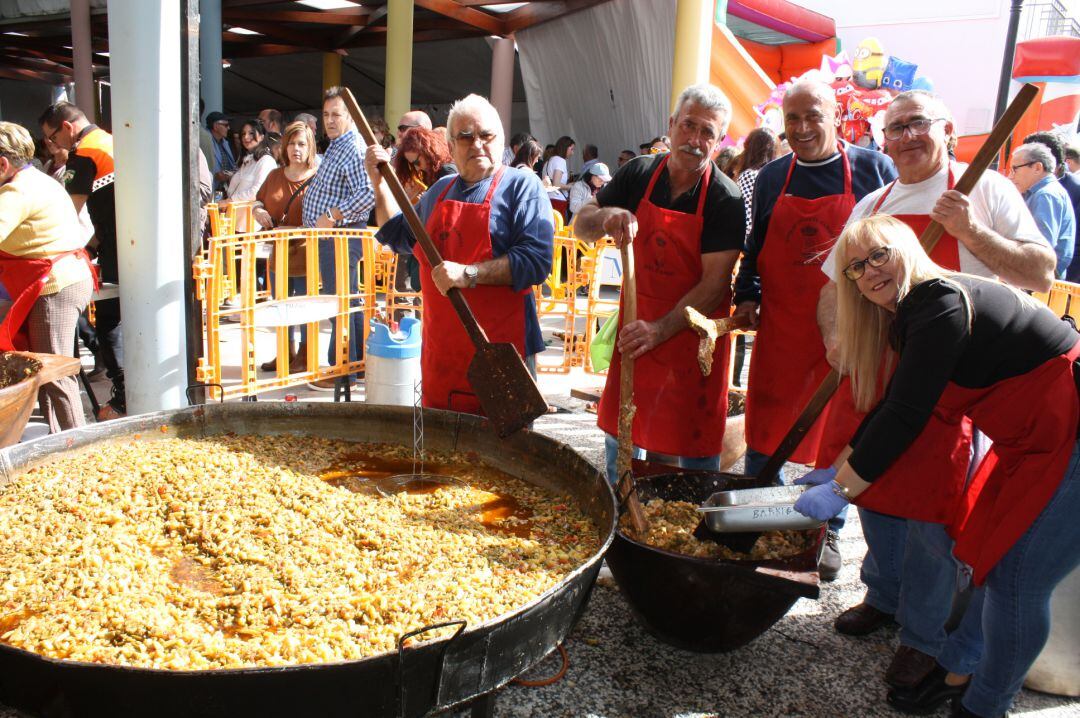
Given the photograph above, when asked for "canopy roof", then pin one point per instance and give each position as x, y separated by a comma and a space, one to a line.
35, 35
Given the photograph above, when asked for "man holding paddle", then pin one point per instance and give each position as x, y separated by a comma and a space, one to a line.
686, 223
909, 569
801, 202
494, 228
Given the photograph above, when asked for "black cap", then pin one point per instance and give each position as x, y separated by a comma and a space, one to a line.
215, 117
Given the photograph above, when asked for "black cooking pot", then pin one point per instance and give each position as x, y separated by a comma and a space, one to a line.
410, 682
699, 604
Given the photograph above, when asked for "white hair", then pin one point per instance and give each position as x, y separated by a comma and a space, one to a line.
1038, 152
927, 98
473, 104
708, 97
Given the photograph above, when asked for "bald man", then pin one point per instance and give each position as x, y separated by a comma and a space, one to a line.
801, 202
411, 119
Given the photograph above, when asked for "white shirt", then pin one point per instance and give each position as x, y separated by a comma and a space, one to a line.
553, 165
995, 203
245, 184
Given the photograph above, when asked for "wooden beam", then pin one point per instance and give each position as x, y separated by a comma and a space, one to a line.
474, 18
50, 43
335, 17
264, 50
14, 73
478, 3
245, 3
378, 39
36, 65
536, 13
283, 35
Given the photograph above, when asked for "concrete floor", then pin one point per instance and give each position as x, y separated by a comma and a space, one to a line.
800, 667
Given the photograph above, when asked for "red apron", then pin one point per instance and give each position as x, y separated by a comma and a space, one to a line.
788, 361
1032, 420
679, 411
462, 234
927, 484
24, 278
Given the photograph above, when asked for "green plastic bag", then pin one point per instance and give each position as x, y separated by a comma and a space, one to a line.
603, 344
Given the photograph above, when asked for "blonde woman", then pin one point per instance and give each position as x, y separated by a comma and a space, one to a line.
279, 204
963, 346
43, 267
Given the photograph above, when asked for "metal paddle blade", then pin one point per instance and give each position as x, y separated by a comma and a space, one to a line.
505, 389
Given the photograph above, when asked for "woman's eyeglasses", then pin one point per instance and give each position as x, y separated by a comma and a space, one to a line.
876, 258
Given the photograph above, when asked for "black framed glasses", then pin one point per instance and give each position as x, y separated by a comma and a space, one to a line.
1013, 168
467, 138
917, 128
54, 133
877, 258
402, 128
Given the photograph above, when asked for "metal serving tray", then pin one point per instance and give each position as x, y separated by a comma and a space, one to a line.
765, 509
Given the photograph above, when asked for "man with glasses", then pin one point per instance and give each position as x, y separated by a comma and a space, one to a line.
411, 119
800, 204
339, 196
89, 180
686, 222
494, 228
909, 570
1032, 171
223, 159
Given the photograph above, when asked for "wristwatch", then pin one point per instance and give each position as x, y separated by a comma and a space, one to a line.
330, 215
472, 273
841, 490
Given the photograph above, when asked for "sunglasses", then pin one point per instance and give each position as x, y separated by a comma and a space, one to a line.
467, 138
877, 258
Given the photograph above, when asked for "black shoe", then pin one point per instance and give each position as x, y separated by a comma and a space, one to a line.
830, 561
862, 620
959, 711
927, 696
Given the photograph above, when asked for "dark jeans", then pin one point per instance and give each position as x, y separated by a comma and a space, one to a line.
110, 346
329, 286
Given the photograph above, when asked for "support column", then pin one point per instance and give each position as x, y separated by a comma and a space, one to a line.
693, 45
331, 70
399, 39
148, 117
502, 80
210, 56
82, 52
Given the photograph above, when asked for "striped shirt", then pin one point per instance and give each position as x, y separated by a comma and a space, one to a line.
341, 182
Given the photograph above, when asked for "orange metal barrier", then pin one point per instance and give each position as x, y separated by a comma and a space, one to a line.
1063, 298
215, 269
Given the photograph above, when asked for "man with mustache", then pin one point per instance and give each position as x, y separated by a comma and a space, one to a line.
686, 222
800, 204
909, 570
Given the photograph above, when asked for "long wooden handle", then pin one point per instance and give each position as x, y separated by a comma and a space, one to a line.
624, 460
985, 156
476, 332
929, 239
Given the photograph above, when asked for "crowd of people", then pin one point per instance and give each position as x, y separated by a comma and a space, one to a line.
954, 429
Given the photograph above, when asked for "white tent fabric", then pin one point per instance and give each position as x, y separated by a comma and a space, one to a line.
601, 76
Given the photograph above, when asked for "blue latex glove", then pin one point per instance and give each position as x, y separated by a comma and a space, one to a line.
821, 502
817, 477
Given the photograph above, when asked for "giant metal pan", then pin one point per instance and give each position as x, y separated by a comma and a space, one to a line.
414, 682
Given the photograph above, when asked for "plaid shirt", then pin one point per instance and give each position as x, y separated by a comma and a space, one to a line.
340, 182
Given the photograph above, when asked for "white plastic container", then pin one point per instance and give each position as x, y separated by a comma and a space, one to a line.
1057, 669
392, 364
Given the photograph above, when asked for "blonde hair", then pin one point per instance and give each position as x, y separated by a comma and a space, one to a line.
297, 127
861, 326
16, 144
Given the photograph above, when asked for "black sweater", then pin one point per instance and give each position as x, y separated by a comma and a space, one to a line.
935, 346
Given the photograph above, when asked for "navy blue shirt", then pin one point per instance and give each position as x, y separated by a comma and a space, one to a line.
1072, 187
870, 170
521, 226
